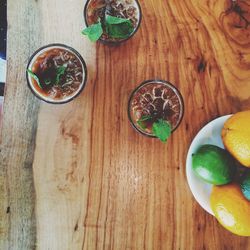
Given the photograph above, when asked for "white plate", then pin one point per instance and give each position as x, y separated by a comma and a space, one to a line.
209, 134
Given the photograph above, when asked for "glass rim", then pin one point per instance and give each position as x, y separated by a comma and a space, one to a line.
119, 41
152, 81
79, 91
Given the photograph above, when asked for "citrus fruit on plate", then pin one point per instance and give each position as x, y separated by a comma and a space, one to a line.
213, 164
231, 208
245, 186
236, 136
209, 134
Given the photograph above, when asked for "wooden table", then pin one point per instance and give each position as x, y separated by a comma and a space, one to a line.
77, 176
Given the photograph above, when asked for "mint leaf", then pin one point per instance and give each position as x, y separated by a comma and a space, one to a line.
162, 130
141, 124
142, 120
121, 31
118, 27
145, 118
94, 31
47, 81
35, 77
59, 72
115, 20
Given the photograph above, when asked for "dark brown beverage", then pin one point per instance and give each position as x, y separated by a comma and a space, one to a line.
96, 10
61, 73
154, 100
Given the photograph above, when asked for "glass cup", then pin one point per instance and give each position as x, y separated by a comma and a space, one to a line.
94, 7
153, 100
60, 56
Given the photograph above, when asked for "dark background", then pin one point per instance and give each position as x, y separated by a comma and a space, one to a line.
3, 26
3, 29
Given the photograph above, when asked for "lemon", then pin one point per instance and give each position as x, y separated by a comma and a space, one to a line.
231, 208
213, 164
236, 136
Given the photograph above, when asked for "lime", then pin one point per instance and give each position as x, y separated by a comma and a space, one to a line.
213, 164
245, 186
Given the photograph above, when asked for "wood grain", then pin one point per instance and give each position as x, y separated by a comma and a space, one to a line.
17, 213
77, 176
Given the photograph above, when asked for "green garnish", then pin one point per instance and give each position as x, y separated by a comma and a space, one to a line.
118, 27
145, 118
47, 81
142, 120
162, 130
115, 27
35, 77
94, 31
59, 73
115, 20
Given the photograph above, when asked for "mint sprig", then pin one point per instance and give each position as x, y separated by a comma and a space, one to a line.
162, 130
35, 77
143, 119
115, 20
94, 31
118, 27
115, 27
59, 73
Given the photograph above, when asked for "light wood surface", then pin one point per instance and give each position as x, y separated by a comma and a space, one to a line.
77, 176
